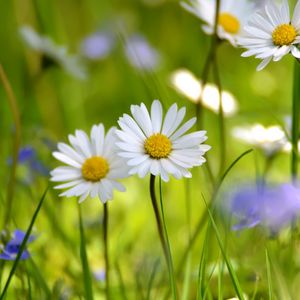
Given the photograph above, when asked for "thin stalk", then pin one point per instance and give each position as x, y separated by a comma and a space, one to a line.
222, 129
163, 239
16, 145
106, 256
295, 121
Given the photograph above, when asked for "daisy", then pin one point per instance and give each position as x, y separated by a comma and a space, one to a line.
233, 15
270, 139
93, 167
58, 54
271, 33
157, 146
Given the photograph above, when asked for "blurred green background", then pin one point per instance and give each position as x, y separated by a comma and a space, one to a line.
53, 104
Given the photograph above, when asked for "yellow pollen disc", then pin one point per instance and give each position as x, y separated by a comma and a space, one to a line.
94, 168
158, 146
284, 34
229, 23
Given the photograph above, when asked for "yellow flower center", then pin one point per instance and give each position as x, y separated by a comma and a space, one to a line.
158, 146
229, 22
284, 34
94, 168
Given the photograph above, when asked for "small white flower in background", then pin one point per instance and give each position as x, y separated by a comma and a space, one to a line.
233, 16
140, 54
188, 85
43, 44
93, 166
270, 139
271, 33
160, 146
97, 45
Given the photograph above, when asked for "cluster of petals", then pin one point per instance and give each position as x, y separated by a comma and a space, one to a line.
182, 151
96, 151
271, 33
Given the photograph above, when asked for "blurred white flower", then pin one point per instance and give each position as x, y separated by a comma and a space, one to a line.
272, 33
97, 45
233, 16
187, 84
140, 54
93, 167
58, 54
269, 139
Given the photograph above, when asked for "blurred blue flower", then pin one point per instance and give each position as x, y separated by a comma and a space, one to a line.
98, 45
99, 275
271, 207
141, 54
12, 248
28, 157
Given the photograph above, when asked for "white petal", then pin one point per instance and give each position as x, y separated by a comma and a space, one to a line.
183, 129
156, 116
65, 159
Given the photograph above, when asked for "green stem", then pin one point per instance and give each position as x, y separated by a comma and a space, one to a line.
106, 256
162, 233
295, 121
222, 130
16, 146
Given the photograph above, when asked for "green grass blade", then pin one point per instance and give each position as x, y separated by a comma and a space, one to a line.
202, 265
187, 279
269, 278
121, 282
295, 120
232, 274
40, 279
87, 280
172, 274
23, 245
29, 287
152, 277
202, 220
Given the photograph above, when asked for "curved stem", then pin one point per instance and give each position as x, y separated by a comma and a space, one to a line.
16, 116
106, 256
162, 232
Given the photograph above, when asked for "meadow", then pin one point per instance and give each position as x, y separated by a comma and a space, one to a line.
196, 221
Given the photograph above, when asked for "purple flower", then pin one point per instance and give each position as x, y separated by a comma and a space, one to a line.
140, 54
28, 158
99, 275
271, 207
12, 248
98, 45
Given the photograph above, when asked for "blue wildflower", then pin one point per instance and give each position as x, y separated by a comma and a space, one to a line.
98, 45
99, 275
140, 54
12, 248
271, 207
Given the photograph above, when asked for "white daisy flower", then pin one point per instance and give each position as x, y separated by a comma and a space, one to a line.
70, 63
160, 147
93, 167
270, 139
271, 33
233, 15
